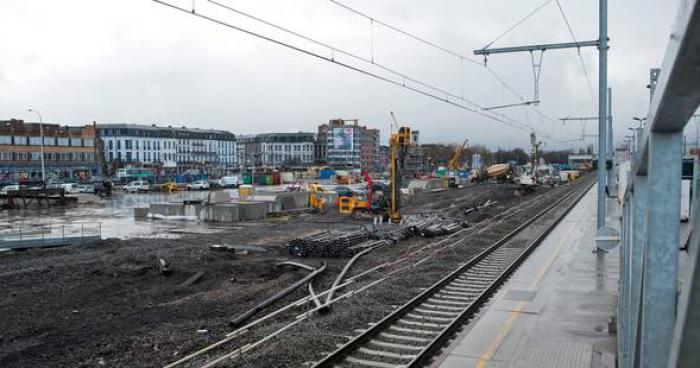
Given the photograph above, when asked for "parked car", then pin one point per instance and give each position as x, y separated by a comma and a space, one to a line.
137, 186
7, 188
198, 185
229, 181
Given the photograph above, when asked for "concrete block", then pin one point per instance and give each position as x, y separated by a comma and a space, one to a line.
219, 196
141, 212
220, 212
294, 200
167, 209
251, 211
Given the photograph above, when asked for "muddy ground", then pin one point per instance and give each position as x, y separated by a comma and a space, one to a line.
105, 304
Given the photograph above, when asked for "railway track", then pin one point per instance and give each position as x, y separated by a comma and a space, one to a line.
413, 334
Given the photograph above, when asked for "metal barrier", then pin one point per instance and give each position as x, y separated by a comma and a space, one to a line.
658, 321
69, 233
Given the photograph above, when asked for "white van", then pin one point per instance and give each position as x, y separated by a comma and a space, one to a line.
137, 186
229, 181
70, 187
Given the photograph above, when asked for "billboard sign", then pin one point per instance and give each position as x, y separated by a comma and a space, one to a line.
343, 138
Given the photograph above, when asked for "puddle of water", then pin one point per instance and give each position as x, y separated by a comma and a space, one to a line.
116, 215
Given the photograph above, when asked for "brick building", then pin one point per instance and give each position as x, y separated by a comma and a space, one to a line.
71, 153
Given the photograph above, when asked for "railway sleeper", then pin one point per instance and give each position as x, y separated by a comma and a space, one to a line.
393, 345
424, 317
438, 300
394, 337
422, 324
461, 282
371, 363
441, 307
459, 294
473, 279
464, 289
444, 295
443, 313
413, 330
386, 354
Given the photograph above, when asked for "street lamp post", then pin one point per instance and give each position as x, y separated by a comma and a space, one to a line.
41, 134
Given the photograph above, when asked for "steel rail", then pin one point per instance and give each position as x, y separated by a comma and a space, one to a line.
426, 352
500, 217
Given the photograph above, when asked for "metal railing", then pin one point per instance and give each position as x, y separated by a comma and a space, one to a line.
51, 234
658, 319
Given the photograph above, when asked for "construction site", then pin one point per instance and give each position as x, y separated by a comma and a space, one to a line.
444, 220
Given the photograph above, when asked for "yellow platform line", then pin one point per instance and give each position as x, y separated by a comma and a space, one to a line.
505, 328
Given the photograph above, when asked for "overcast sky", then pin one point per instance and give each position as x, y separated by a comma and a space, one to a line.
135, 61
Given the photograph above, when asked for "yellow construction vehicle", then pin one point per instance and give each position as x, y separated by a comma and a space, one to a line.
316, 199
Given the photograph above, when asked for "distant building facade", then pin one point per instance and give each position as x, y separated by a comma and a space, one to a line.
276, 150
345, 145
168, 148
413, 164
71, 153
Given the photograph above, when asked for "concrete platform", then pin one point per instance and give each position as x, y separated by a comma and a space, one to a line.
554, 311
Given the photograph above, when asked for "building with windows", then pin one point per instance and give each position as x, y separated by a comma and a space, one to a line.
168, 148
343, 145
71, 153
276, 150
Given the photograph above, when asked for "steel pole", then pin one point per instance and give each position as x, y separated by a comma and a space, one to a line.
602, 106
41, 134
609, 148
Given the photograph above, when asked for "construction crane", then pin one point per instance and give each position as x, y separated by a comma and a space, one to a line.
454, 161
453, 165
398, 147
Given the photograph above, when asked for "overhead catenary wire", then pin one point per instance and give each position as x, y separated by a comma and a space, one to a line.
578, 52
461, 57
521, 21
405, 33
448, 97
342, 52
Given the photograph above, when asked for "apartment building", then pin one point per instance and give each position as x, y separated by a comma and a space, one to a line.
70, 152
169, 148
344, 145
276, 150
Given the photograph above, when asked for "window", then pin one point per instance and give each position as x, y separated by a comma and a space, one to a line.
20, 140
5, 139
89, 156
119, 144
63, 142
88, 142
76, 142
137, 147
21, 156
49, 141
127, 144
35, 141
6, 156
65, 156
36, 156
